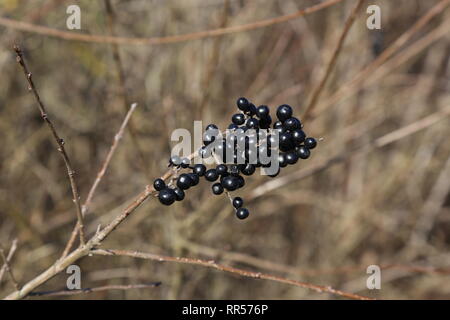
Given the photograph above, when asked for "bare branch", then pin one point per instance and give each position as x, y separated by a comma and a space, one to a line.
67, 292
99, 177
29, 27
11, 252
6, 265
241, 272
318, 90
355, 84
123, 93
60, 142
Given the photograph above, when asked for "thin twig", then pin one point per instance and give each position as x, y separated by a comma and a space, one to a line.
318, 90
95, 241
271, 266
11, 252
123, 93
60, 142
33, 28
353, 85
67, 292
241, 272
6, 265
99, 177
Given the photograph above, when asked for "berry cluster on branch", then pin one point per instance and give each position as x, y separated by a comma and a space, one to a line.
250, 135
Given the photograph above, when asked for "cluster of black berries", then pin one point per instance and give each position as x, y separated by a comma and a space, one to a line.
239, 154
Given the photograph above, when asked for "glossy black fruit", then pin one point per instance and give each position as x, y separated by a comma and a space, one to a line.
230, 183
242, 213
310, 143
159, 184
217, 188
184, 181
238, 119
211, 175
211, 127
251, 110
238, 202
242, 104
292, 124
179, 194
185, 163
199, 169
248, 170
221, 169
284, 112
194, 179
262, 111
282, 161
286, 141
303, 152
291, 157
167, 196
298, 136
252, 123
265, 123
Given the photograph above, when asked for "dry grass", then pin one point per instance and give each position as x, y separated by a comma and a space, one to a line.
365, 197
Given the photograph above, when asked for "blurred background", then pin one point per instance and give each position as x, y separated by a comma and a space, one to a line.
320, 221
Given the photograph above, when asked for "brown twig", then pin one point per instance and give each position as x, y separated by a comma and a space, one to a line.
67, 292
60, 142
318, 90
84, 250
241, 272
268, 265
7, 267
29, 27
100, 174
11, 252
123, 93
353, 85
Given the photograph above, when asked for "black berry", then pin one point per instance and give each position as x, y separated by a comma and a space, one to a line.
242, 104
184, 181
211, 127
217, 188
167, 196
242, 213
194, 179
286, 141
252, 123
238, 202
159, 184
248, 170
262, 112
298, 136
221, 169
291, 157
179, 194
199, 169
310, 143
211, 175
284, 112
303, 152
282, 161
292, 124
238, 119
230, 183
185, 162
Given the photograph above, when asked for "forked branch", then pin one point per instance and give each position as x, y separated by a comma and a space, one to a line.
58, 139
